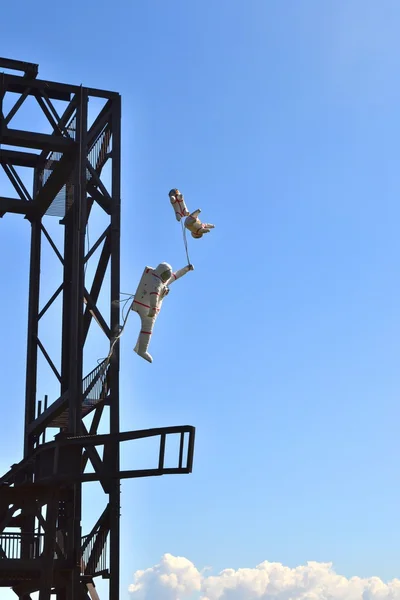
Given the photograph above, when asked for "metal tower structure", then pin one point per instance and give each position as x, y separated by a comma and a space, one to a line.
41, 544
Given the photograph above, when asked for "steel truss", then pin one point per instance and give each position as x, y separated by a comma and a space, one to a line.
41, 543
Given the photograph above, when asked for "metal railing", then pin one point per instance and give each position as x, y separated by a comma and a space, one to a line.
21, 545
98, 152
95, 384
94, 553
16, 546
94, 388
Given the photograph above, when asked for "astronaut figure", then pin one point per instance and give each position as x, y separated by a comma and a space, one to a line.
178, 202
195, 226
151, 291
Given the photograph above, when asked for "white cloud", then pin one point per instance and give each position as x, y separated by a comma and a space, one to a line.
176, 578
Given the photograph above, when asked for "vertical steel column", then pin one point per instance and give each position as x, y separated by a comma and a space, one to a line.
66, 303
31, 357
2, 92
78, 224
114, 365
79, 218
33, 324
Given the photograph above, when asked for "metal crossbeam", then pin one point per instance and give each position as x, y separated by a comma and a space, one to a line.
19, 159
29, 69
55, 91
13, 205
27, 139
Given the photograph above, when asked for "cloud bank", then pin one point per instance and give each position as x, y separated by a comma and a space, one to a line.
177, 578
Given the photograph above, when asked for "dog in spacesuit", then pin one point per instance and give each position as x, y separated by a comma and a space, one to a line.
195, 226
150, 293
192, 221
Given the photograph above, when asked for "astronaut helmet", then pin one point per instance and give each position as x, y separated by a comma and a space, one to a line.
175, 192
164, 271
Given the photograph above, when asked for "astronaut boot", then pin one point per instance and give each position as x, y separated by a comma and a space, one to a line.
144, 355
142, 345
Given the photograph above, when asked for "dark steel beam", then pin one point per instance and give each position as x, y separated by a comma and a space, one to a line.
32, 347
77, 223
29, 139
96, 461
120, 436
19, 159
51, 107
96, 285
54, 90
93, 430
48, 113
2, 93
29, 69
98, 183
115, 494
47, 357
13, 205
32, 356
24, 492
96, 315
67, 279
52, 244
18, 85
102, 201
16, 106
50, 302
7, 517
62, 124
115, 476
93, 249
17, 182
10, 565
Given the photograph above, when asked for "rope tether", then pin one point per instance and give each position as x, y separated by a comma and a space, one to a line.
185, 242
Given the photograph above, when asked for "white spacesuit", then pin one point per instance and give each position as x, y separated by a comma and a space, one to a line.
178, 203
195, 226
150, 293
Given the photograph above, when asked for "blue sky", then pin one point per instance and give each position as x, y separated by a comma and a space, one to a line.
280, 121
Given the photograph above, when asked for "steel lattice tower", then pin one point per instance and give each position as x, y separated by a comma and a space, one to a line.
41, 544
